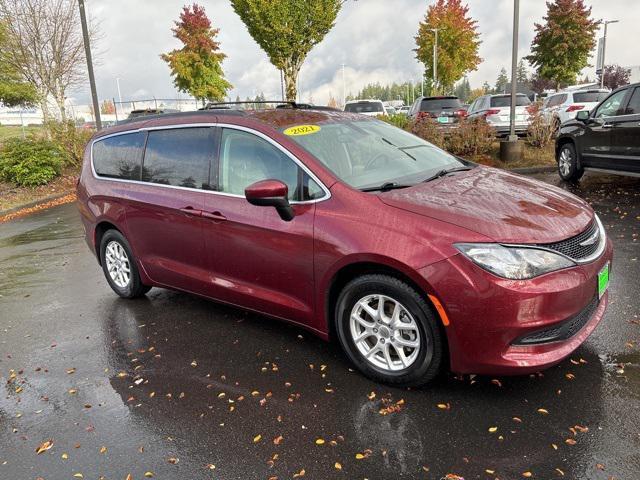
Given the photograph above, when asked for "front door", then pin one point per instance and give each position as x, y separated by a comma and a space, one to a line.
625, 136
596, 141
164, 216
256, 259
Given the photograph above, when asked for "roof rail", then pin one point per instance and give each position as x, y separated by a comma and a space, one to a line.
278, 103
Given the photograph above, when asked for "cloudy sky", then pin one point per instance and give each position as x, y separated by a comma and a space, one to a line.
373, 38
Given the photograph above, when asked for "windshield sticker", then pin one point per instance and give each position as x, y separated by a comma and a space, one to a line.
301, 130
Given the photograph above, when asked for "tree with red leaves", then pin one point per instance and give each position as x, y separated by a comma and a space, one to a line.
615, 76
196, 67
458, 42
561, 47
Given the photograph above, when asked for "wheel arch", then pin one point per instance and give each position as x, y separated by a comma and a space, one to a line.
102, 227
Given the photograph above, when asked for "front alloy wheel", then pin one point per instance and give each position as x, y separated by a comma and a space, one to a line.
389, 331
568, 163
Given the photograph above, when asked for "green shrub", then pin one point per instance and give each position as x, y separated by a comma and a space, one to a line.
31, 161
71, 139
471, 137
397, 120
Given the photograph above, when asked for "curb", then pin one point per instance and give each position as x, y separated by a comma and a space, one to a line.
528, 170
34, 203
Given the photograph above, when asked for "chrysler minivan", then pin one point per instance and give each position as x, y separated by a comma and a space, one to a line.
414, 260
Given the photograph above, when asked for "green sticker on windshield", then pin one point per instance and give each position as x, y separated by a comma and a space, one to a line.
301, 130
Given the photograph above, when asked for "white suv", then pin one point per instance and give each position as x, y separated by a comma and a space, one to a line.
496, 110
562, 106
371, 108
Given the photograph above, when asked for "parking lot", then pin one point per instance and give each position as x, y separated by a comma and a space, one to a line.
176, 387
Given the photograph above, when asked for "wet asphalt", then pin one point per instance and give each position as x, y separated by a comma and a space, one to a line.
176, 387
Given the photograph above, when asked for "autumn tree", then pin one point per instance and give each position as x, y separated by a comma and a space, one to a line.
458, 42
333, 103
196, 68
539, 84
287, 30
562, 45
13, 89
615, 76
44, 47
108, 107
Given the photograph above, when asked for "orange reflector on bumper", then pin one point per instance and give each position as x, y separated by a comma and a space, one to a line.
440, 310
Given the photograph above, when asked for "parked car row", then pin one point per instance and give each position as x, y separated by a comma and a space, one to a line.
563, 106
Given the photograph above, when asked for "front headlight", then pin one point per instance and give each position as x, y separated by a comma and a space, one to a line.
515, 263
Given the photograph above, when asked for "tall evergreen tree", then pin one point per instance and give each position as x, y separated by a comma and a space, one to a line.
502, 81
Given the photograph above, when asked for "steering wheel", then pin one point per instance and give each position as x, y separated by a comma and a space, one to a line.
374, 160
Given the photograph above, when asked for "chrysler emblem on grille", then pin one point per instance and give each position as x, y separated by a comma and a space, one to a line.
591, 240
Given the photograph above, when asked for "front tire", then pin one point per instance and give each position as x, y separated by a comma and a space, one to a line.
388, 331
568, 168
120, 267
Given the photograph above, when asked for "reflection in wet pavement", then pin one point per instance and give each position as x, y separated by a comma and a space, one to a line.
180, 387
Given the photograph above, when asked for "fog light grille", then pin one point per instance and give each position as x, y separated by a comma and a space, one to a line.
562, 331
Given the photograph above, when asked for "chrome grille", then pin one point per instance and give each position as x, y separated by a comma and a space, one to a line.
581, 246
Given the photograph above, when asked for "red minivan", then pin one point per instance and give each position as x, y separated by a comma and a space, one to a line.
413, 259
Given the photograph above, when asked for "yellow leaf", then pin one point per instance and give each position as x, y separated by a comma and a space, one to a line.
543, 411
129, 477
371, 396
527, 474
338, 466
103, 449
570, 441
319, 441
490, 472
64, 456
560, 472
299, 474
44, 446
148, 474
72, 391
359, 456
493, 429
257, 438
78, 475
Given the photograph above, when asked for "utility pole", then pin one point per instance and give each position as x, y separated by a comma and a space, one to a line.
282, 84
87, 52
514, 68
435, 59
604, 49
119, 94
344, 88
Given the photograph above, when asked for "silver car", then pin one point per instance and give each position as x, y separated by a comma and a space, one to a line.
496, 110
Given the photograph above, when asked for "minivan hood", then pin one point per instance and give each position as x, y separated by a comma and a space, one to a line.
505, 207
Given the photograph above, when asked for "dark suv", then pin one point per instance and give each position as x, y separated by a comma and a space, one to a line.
444, 110
605, 139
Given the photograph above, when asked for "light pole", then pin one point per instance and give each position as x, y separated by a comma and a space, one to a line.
435, 58
604, 49
514, 67
87, 52
344, 88
119, 93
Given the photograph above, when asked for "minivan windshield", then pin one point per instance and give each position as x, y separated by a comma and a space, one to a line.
364, 107
505, 101
370, 153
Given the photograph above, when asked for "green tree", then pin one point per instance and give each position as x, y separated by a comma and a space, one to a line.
458, 42
502, 81
561, 47
287, 30
13, 90
196, 67
522, 74
462, 90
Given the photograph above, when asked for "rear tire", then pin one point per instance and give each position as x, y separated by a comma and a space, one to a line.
567, 159
388, 331
120, 267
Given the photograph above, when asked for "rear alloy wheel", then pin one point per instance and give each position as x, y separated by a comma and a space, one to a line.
119, 266
568, 163
388, 331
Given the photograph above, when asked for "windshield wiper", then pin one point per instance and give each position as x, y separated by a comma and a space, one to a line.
385, 187
399, 148
446, 171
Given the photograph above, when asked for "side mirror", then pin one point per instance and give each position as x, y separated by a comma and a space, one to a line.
271, 193
582, 115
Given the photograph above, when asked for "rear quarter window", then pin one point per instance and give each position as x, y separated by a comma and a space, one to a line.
119, 156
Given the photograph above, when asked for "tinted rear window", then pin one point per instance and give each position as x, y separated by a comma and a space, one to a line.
119, 156
589, 97
180, 157
439, 104
505, 101
364, 107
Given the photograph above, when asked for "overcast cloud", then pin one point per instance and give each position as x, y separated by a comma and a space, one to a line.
373, 38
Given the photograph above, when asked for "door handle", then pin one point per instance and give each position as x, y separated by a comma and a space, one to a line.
607, 125
216, 216
191, 211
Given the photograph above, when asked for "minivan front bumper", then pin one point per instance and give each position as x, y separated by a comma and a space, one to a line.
491, 318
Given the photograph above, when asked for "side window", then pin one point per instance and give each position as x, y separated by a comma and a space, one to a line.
246, 158
633, 108
611, 105
310, 189
472, 107
119, 156
180, 157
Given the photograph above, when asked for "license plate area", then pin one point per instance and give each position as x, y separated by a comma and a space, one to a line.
603, 280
